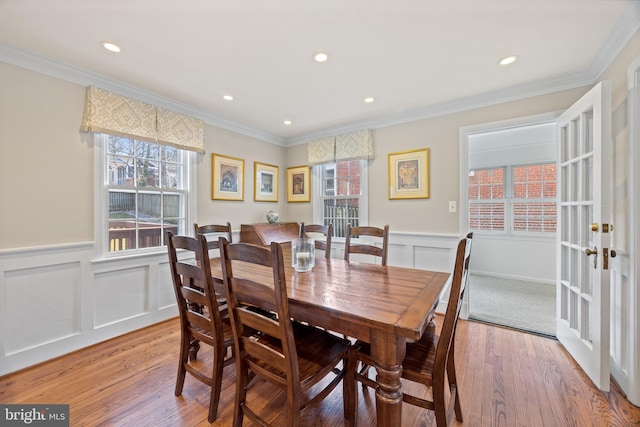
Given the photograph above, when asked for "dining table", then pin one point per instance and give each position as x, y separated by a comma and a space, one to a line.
382, 305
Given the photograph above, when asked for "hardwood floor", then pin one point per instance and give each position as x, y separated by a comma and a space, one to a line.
507, 378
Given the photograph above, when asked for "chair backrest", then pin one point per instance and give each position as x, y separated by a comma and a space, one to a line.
214, 231
458, 285
194, 289
325, 230
246, 291
379, 251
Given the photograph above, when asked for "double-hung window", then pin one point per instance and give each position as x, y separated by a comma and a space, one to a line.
340, 195
145, 192
513, 199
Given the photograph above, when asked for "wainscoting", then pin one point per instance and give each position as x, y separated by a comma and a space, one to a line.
57, 299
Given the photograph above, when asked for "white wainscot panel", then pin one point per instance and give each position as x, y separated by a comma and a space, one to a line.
121, 294
40, 305
166, 294
433, 258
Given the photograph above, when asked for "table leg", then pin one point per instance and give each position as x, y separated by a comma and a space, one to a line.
388, 351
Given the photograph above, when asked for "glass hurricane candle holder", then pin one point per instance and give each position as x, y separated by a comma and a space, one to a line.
303, 254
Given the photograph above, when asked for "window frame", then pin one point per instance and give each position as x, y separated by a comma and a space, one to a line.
101, 201
317, 199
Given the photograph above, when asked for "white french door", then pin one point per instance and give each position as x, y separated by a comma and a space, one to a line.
582, 299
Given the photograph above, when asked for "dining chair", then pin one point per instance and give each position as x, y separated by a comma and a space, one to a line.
430, 360
212, 232
325, 230
351, 247
291, 355
201, 319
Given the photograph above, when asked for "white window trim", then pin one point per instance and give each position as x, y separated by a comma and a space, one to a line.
316, 200
100, 203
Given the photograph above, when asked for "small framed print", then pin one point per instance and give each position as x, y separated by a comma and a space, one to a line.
227, 177
298, 184
265, 186
409, 174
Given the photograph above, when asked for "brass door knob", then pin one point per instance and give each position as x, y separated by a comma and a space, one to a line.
594, 227
589, 251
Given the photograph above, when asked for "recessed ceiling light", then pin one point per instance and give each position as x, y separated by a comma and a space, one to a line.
320, 57
111, 47
287, 122
369, 99
227, 98
508, 60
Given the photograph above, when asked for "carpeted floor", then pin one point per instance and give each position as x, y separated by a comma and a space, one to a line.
530, 306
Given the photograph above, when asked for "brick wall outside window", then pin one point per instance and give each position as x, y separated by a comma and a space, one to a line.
524, 197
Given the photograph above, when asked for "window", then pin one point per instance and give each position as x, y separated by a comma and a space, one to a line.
341, 194
145, 192
486, 199
534, 198
522, 198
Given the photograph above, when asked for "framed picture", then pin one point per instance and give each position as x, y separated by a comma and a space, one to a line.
265, 182
227, 177
409, 174
298, 184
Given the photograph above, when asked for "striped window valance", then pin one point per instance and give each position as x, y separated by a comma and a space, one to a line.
349, 146
115, 114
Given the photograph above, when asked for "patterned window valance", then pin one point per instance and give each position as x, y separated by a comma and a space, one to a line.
349, 146
322, 151
180, 131
109, 112
355, 146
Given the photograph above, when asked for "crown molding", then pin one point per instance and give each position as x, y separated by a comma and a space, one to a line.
47, 66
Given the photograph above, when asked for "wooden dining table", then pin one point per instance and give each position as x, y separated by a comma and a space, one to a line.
382, 305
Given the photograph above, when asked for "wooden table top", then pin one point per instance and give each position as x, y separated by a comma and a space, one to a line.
354, 297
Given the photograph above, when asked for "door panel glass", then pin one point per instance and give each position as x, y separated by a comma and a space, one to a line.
564, 145
575, 138
588, 140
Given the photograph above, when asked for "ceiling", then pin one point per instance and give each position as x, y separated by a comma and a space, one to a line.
417, 58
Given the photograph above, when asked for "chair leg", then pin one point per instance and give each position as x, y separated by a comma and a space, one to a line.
364, 371
194, 346
216, 386
439, 406
242, 373
184, 359
453, 382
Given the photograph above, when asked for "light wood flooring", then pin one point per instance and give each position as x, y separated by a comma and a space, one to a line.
507, 378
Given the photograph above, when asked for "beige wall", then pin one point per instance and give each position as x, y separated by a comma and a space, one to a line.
441, 136
228, 143
46, 171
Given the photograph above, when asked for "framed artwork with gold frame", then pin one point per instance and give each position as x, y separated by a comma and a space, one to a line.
298, 184
265, 182
409, 174
227, 177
